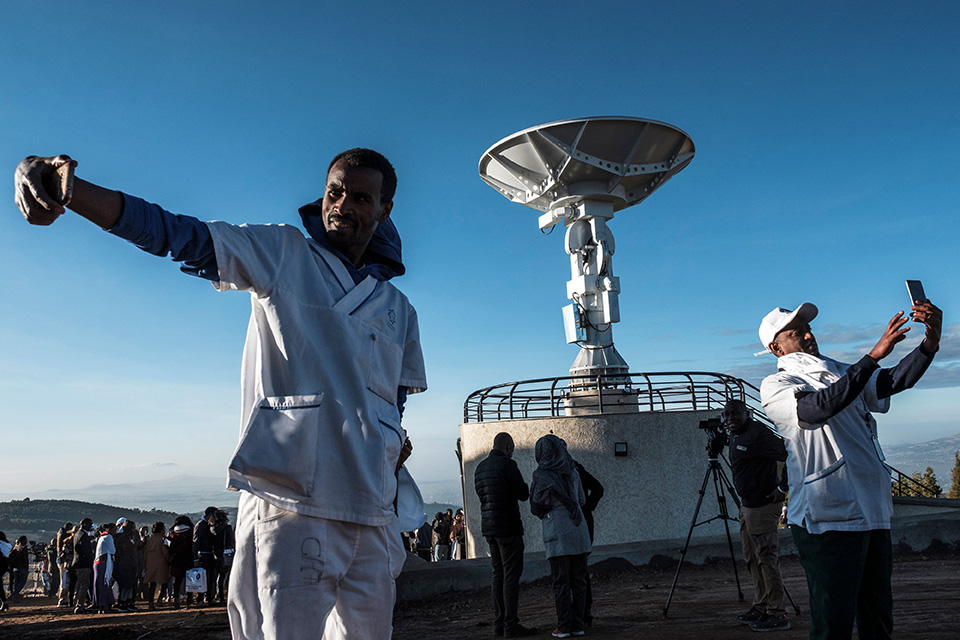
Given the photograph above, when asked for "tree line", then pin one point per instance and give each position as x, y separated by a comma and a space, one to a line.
927, 481
50, 515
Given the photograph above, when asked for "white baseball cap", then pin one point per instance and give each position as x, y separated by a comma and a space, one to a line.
774, 322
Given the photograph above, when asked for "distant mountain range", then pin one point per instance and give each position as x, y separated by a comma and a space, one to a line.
937, 454
179, 494
446, 492
192, 494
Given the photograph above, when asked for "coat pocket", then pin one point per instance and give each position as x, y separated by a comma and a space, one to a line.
830, 495
280, 443
386, 361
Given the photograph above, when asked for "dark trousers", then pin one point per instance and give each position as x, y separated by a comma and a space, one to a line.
178, 581
18, 580
569, 575
506, 556
848, 575
72, 592
209, 563
83, 584
223, 581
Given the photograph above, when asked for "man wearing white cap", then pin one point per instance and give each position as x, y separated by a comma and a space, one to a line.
840, 499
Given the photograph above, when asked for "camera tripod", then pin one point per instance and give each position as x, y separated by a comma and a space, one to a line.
720, 483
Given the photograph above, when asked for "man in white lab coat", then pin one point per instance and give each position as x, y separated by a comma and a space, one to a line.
332, 351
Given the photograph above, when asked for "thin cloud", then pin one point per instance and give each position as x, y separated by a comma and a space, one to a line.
724, 331
149, 465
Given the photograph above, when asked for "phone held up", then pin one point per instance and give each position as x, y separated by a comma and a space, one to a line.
59, 184
915, 289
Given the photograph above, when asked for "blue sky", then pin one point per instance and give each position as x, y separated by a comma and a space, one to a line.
826, 170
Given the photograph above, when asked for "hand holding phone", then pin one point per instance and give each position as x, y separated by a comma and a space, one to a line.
59, 183
915, 290
42, 186
927, 313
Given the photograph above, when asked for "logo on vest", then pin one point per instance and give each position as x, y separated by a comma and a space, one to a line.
392, 318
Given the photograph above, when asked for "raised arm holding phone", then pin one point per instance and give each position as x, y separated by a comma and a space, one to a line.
840, 496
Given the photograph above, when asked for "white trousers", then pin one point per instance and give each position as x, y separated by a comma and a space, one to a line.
295, 577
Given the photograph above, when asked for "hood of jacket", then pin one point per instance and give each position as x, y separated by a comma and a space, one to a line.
382, 259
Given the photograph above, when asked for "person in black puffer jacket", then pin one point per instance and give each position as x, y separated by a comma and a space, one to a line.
500, 488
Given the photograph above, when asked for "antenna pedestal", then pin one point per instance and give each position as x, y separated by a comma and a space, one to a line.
593, 289
580, 172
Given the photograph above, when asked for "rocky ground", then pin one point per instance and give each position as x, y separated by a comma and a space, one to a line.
629, 603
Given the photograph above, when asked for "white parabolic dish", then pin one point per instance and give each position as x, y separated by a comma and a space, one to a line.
616, 159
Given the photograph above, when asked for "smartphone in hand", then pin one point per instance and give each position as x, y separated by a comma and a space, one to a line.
59, 184
915, 289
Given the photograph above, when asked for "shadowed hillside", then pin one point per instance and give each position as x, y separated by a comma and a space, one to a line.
49, 515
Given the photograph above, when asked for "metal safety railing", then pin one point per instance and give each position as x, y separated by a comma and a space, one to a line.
905, 486
599, 395
631, 392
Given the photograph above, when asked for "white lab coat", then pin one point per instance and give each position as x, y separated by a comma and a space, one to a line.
318, 543
838, 480
320, 429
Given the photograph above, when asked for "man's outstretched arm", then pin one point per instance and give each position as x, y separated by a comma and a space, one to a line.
156, 231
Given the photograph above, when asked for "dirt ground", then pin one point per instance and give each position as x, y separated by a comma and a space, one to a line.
627, 604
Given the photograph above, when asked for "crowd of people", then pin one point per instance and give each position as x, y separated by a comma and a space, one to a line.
113, 566
443, 538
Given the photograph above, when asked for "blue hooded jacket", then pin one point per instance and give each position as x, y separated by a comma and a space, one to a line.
382, 259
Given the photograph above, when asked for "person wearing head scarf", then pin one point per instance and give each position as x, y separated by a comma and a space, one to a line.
556, 497
103, 568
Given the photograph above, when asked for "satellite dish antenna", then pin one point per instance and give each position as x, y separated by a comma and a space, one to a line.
581, 172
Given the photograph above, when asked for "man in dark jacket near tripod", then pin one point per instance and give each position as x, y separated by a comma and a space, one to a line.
757, 459
500, 487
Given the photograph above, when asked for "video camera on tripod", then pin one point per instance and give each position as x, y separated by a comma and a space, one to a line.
717, 437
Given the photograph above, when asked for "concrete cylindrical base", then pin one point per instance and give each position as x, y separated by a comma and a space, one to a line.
649, 494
